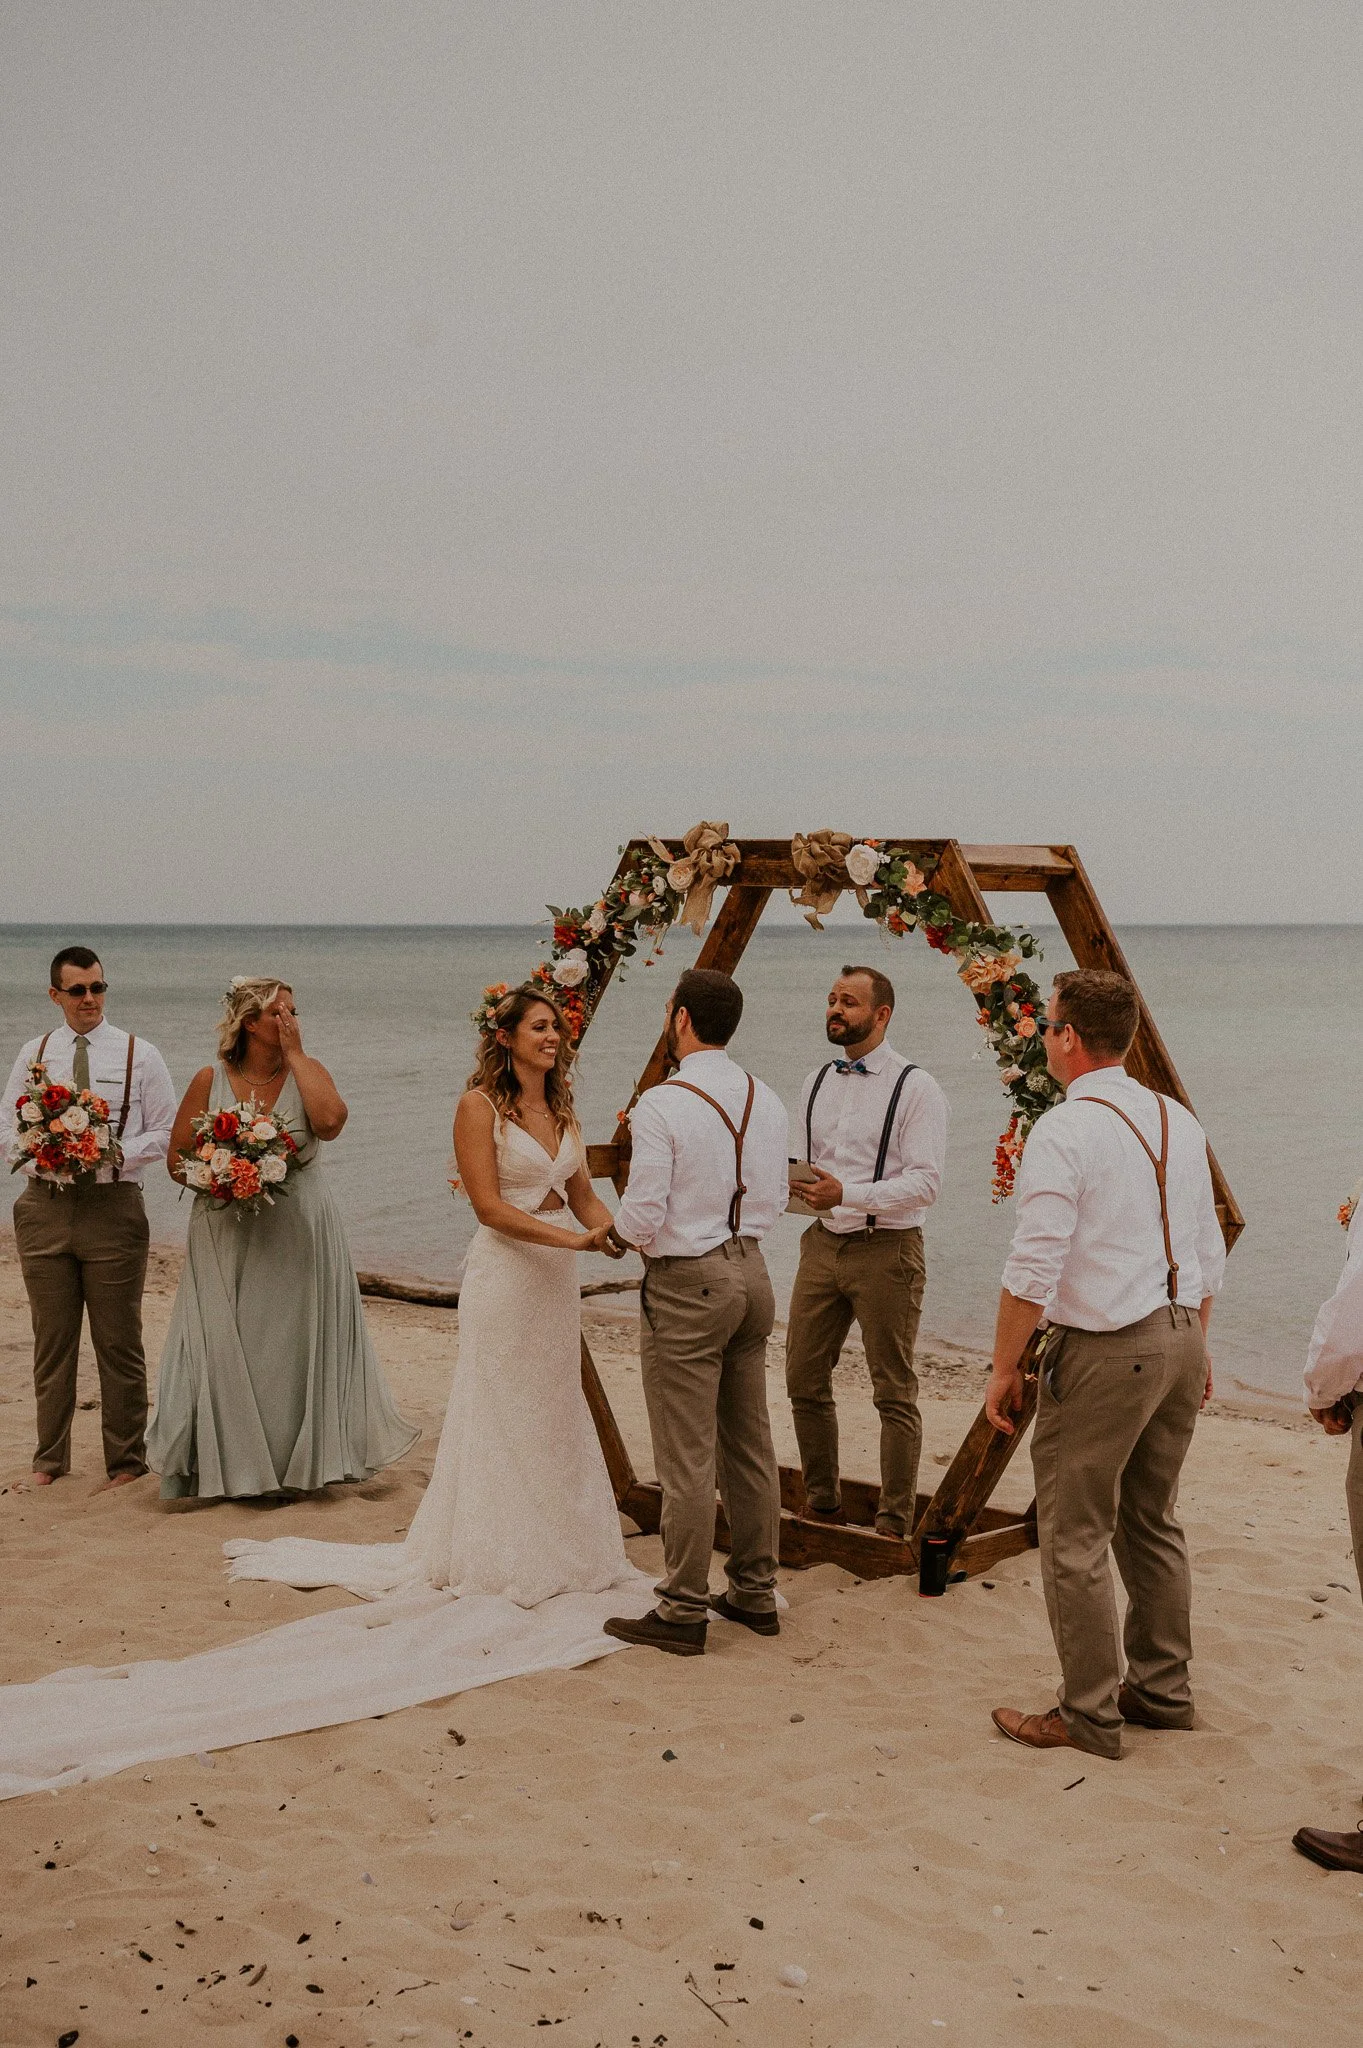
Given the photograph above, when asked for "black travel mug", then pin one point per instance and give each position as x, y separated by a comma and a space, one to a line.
934, 1558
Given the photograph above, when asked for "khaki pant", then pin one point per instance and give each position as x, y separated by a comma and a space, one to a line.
703, 1356
877, 1276
1114, 1421
1353, 1487
86, 1253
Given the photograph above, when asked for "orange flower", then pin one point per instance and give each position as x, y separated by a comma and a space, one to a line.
1026, 1027
245, 1179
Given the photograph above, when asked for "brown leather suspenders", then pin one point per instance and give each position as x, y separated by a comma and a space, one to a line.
1160, 1164
127, 1083
737, 1132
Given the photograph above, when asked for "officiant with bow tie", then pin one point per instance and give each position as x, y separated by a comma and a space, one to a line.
83, 1249
874, 1128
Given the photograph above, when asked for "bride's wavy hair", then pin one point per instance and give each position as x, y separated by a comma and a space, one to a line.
495, 1074
248, 998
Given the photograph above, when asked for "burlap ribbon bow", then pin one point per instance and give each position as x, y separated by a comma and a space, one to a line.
820, 859
710, 858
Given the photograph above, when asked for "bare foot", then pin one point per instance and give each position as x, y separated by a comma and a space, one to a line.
44, 1479
120, 1479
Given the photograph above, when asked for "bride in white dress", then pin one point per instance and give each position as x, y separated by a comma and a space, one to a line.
519, 1521
519, 1502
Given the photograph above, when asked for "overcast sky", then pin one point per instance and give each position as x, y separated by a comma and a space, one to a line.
440, 440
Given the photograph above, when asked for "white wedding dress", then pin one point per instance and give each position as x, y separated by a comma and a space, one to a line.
513, 1560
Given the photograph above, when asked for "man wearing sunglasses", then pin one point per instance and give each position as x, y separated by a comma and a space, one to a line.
1118, 1247
83, 1250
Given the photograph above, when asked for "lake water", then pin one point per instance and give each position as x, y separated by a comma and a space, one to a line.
1261, 1022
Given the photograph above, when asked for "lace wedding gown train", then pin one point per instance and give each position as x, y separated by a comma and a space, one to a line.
513, 1560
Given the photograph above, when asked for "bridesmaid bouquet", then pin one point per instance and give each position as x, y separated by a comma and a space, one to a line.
240, 1157
63, 1135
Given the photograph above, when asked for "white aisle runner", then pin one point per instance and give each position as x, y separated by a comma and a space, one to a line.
348, 1664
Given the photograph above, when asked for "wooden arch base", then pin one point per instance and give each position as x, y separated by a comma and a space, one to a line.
979, 1534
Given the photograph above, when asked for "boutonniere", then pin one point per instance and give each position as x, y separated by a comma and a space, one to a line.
1349, 1204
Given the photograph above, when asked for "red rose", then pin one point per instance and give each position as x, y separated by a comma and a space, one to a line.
55, 1097
938, 937
225, 1126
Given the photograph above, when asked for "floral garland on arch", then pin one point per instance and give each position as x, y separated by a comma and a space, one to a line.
656, 890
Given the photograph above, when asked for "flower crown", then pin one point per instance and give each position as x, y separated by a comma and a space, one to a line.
485, 1016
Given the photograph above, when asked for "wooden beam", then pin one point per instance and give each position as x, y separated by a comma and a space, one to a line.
1018, 868
613, 1448
1094, 944
981, 1462
955, 879
723, 948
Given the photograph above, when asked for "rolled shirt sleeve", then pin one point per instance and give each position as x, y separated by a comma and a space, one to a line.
1211, 1239
158, 1104
17, 1086
643, 1206
1048, 1189
1334, 1361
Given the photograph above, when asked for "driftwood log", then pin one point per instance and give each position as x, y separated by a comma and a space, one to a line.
426, 1294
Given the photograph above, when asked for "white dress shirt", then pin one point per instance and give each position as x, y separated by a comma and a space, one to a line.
1334, 1363
1088, 1244
151, 1112
681, 1176
849, 1116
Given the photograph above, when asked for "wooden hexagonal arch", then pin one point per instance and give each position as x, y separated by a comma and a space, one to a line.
979, 1534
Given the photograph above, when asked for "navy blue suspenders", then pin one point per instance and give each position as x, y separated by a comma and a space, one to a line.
887, 1129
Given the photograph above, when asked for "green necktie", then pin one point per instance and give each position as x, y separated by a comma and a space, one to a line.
80, 1066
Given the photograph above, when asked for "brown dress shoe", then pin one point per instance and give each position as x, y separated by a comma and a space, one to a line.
678, 1638
1133, 1710
1035, 1731
1332, 1852
835, 1518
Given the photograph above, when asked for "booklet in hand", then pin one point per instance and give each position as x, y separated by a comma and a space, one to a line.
800, 1173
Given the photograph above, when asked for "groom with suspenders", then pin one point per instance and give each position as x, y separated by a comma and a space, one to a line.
708, 1178
875, 1131
84, 1250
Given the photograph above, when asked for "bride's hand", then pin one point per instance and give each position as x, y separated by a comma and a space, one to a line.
594, 1240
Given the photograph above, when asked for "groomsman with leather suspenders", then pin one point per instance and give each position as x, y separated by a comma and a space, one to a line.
84, 1251
707, 1181
875, 1131
1118, 1246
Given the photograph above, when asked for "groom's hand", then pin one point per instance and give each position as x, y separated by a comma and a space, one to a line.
823, 1193
615, 1246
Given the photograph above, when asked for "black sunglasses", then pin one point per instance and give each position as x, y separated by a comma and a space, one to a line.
1045, 1024
83, 988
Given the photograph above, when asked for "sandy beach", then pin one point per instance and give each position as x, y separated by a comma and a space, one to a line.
633, 1852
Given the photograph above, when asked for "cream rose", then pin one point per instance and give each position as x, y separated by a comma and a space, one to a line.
197, 1174
102, 1137
596, 923
31, 1113
862, 863
274, 1168
262, 1130
572, 969
74, 1120
220, 1162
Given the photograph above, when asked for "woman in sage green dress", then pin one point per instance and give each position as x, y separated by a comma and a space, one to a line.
269, 1382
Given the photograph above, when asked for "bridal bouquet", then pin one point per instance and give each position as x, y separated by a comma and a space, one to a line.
63, 1135
240, 1157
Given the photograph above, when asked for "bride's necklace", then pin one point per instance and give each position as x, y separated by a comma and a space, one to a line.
254, 1081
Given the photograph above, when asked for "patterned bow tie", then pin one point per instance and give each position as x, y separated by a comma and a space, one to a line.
850, 1067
